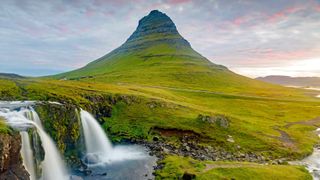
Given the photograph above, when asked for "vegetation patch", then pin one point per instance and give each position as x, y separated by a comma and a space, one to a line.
175, 167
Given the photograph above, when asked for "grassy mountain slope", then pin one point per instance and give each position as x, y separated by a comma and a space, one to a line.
157, 55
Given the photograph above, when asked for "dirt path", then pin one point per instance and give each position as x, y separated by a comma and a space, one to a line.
284, 138
312, 122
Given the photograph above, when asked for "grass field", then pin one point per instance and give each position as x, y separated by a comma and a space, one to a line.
176, 167
257, 123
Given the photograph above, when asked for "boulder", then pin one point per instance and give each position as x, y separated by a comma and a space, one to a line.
219, 120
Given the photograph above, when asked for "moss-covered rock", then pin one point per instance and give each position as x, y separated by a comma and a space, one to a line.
62, 123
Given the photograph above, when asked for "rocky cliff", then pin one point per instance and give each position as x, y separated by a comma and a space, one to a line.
11, 167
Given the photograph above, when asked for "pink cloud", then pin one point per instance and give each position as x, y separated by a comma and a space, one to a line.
241, 20
284, 13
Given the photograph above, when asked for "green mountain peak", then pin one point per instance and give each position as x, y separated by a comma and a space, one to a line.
157, 55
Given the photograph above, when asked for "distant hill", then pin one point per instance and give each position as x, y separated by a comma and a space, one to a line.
157, 55
292, 81
10, 76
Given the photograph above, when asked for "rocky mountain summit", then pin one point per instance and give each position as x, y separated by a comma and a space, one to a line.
158, 25
153, 29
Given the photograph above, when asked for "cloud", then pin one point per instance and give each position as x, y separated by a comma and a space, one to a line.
57, 36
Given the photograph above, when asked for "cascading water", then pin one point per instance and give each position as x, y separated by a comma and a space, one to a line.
99, 148
96, 140
105, 160
53, 167
27, 155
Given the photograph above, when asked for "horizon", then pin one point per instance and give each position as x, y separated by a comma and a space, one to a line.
45, 38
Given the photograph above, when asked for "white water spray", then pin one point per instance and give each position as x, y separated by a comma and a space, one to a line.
98, 146
27, 155
95, 138
53, 167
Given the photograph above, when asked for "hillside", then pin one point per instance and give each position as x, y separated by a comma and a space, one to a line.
157, 55
292, 81
10, 76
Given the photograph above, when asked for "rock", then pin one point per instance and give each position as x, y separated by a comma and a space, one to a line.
91, 159
219, 120
11, 166
165, 150
74, 177
230, 139
157, 24
188, 176
155, 138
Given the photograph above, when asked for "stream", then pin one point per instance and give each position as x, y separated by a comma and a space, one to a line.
312, 162
102, 159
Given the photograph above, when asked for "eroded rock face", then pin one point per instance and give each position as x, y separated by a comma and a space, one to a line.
11, 166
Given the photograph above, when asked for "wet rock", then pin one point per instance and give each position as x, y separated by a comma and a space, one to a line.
74, 177
91, 159
11, 166
165, 150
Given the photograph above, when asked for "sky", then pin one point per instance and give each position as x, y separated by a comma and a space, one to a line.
251, 37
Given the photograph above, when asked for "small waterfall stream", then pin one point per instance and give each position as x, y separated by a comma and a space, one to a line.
96, 140
99, 148
53, 167
27, 155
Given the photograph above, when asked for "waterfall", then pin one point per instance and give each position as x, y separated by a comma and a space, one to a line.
52, 166
27, 155
95, 138
99, 148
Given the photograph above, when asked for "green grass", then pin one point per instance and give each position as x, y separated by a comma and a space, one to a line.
176, 166
163, 64
180, 76
4, 129
252, 118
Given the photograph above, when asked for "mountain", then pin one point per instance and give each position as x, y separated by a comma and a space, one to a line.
157, 55
292, 81
10, 76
